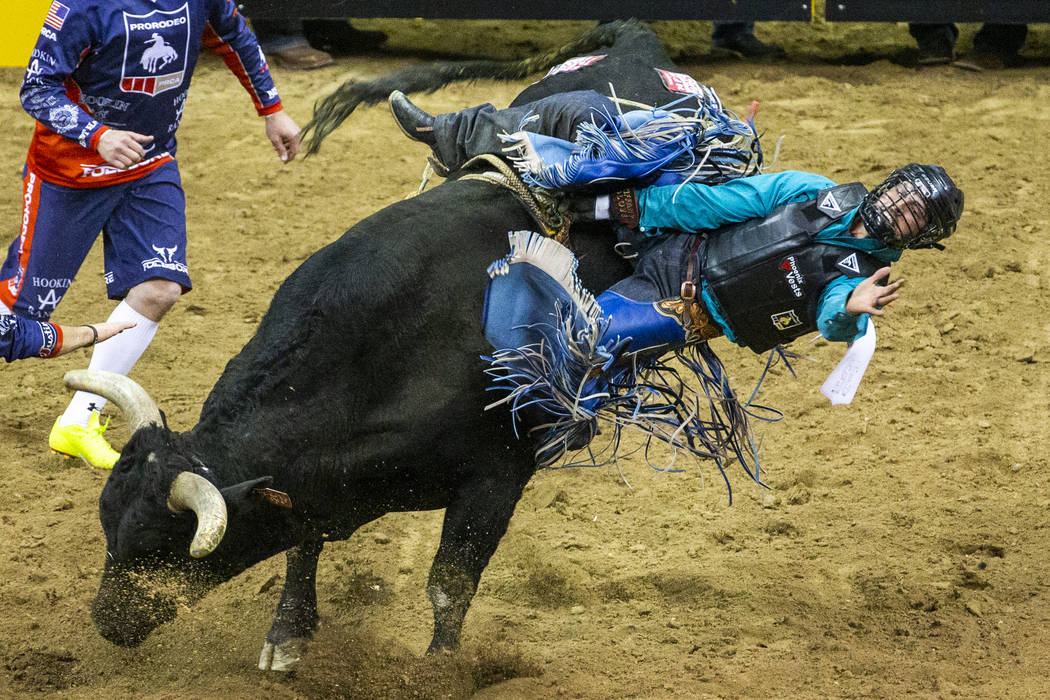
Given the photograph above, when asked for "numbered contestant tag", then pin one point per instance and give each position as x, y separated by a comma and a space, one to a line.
841, 385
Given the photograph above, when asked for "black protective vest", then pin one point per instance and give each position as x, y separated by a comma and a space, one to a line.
767, 274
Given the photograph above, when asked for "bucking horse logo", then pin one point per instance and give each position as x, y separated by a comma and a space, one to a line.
155, 49
158, 54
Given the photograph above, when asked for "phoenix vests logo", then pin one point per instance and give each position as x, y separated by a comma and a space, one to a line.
793, 277
155, 50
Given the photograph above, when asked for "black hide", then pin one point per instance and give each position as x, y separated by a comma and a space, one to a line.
361, 393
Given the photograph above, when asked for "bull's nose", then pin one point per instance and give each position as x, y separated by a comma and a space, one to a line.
121, 639
127, 622
121, 634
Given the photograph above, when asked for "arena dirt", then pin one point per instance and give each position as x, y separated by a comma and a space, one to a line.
901, 548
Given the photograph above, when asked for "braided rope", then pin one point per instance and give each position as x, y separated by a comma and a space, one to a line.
540, 204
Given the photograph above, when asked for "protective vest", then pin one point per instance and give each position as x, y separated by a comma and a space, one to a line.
767, 274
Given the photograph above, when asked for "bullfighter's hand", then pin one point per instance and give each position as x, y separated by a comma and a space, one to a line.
871, 296
284, 134
74, 337
122, 149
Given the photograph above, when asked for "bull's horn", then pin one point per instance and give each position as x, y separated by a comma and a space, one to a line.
191, 491
128, 396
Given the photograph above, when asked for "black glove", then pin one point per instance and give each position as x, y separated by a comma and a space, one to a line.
623, 207
578, 207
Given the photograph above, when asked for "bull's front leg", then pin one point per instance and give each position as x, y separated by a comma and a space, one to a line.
296, 616
475, 521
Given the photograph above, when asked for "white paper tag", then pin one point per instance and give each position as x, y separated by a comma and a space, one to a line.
841, 385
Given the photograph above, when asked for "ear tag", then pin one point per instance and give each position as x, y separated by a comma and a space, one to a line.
277, 498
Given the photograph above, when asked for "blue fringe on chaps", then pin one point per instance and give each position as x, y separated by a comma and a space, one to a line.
554, 351
583, 138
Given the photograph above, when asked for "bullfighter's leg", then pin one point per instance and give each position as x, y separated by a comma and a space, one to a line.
296, 616
475, 521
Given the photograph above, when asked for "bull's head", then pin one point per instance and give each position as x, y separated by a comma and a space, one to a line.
154, 503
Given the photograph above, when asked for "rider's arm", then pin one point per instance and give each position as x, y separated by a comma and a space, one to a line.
696, 207
833, 321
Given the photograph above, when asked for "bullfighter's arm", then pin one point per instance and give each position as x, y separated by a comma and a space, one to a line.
21, 338
44, 93
228, 36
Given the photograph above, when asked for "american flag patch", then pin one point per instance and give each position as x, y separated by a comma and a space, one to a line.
56, 15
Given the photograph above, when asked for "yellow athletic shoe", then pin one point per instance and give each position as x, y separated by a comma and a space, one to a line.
86, 443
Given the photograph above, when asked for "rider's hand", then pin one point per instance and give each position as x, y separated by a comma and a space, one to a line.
870, 297
579, 207
122, 149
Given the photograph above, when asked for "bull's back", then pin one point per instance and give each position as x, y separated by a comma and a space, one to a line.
381, 329
630, 66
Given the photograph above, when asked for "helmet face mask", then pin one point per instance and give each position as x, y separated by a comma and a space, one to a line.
915, 207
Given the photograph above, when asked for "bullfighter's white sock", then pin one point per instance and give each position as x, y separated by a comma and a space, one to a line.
118, 354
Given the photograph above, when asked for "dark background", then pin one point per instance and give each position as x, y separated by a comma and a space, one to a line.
741, 10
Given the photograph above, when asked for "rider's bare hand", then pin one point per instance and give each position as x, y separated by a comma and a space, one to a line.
871, 296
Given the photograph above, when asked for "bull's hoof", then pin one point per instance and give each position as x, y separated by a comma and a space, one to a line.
282, 657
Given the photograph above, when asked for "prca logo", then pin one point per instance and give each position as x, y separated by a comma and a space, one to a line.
63, 118
156, 45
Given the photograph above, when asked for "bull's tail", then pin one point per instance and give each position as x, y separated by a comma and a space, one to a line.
332, 110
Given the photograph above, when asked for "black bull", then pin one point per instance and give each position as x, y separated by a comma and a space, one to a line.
361, 393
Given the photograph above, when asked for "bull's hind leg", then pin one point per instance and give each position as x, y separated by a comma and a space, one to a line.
296, 616
475, 521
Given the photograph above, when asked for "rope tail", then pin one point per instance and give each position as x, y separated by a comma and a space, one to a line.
331, 111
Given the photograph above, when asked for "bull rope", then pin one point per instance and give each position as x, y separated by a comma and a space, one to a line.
540, 204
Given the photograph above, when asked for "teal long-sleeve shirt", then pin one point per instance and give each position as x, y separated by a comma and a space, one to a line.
694, 207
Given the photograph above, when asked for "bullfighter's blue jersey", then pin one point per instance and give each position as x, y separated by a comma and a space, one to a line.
126, 64
21, 338
696, 207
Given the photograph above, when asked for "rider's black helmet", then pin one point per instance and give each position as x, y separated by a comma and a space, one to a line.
915, 207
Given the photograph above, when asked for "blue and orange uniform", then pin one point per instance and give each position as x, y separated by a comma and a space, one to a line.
106, 65
21, 338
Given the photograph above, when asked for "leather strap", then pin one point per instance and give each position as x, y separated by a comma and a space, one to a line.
690, 309
688, 290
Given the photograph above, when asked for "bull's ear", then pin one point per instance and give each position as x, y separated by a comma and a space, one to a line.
255, 492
